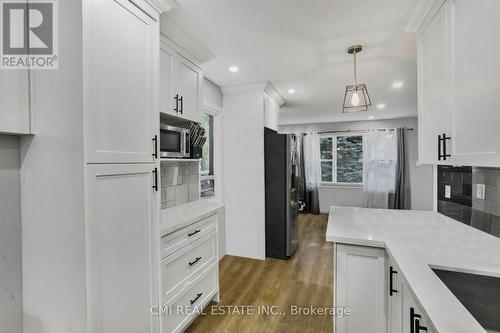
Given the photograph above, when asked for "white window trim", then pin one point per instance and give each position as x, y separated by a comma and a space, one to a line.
334, 161
216, 112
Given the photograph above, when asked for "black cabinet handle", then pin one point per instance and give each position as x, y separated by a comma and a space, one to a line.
155, 154
194, 261
176, 109
155, 186
440, 155
415, 322
182, 104
194, 232
196, 298
391, 283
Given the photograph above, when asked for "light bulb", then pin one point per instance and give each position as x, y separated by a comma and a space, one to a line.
355, 99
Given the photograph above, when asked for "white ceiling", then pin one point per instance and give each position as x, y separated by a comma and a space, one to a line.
301, 44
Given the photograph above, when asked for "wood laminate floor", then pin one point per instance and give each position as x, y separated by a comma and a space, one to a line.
304, 280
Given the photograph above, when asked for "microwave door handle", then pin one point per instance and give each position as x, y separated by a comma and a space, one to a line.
186, 145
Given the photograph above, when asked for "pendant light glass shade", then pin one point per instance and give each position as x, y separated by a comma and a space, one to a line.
356, 98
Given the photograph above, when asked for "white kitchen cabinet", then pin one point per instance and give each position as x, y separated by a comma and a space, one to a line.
189, 271
122, 248
168, 100
476, 82
360, 283
181, 83
434, 85
14, 102
190, 83
395, 294
459, 87
414, 318
121, 47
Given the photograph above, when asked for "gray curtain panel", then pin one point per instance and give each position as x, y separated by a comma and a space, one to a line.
401, 197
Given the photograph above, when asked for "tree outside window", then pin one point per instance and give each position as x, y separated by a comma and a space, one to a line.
341, 158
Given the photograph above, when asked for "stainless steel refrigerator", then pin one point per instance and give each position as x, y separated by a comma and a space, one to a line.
281, 194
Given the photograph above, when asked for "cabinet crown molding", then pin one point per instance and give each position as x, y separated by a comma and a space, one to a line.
266, 87
183, 39
418, 13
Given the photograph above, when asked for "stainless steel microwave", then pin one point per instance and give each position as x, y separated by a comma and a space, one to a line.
174, 141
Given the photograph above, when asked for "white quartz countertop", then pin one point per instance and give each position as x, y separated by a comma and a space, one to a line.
419, 241
172, 219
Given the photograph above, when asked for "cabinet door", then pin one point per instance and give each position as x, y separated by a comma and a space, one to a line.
395, 294
121, 51
14, 102
122, 248
476, 78
434, 86
189, 86
168, 68
409, 302
361, 285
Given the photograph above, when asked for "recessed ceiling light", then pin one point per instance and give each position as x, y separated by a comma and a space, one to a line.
291, 91
381, 106
233, 69
371, 117
397, 84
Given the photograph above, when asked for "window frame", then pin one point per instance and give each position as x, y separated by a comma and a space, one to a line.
215, 159
333, 160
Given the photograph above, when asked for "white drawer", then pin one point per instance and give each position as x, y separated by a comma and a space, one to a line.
183, 266
182, 237
190, 302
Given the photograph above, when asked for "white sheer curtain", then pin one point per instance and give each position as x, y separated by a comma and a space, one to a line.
379, 173
311, 169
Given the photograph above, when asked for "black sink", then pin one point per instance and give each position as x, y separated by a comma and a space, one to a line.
479, 294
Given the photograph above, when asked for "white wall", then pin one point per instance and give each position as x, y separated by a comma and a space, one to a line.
243, 127
211, 93
10, 236
53, 238
421, 177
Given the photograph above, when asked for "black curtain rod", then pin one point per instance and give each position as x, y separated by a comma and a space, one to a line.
365, 130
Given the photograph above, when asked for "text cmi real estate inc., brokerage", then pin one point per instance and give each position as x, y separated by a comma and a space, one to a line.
29, 34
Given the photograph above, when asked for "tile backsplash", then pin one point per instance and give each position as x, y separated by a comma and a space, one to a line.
463, 205
180, 183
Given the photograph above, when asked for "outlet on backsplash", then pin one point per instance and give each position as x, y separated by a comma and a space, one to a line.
180, 183
471, 195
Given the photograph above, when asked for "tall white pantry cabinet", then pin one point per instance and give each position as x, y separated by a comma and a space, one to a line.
89, 176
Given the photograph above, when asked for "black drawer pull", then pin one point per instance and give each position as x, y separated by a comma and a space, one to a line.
197, 297
194, 232
155, 186
418, 327
194, 261
391, 283
415, 322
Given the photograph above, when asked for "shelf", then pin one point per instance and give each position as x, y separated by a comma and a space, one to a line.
165, 159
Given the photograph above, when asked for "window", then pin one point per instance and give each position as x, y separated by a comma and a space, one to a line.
341, 159
207, 161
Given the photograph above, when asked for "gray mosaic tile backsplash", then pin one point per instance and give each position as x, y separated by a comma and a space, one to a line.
180, 183
463, 205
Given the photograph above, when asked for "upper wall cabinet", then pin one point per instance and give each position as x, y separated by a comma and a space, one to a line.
459, 84
181, 84
434, 86
14, 102
121, 43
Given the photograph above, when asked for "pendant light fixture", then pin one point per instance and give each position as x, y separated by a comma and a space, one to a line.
356, 97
